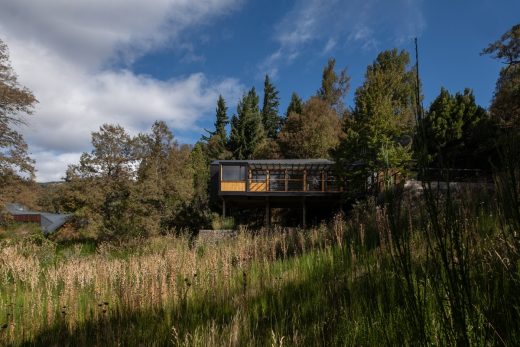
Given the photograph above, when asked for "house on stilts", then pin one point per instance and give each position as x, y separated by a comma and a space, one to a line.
303, 184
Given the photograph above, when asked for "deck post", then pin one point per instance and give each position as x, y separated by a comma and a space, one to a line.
248, 180
304, 213
286, 179
322, 181
304, 180
267, 212
223, 208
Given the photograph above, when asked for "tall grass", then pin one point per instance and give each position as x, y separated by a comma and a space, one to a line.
409, 270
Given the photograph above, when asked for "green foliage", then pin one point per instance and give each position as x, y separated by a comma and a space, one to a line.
311, 134
379, 132
505, 106
457, 132
220, 223
247, 132
270, 118
15, 101
334, 86
507, 48
409, 272
295, 105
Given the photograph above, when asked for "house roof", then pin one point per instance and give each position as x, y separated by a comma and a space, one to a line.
17, 209
49, 222
272, 164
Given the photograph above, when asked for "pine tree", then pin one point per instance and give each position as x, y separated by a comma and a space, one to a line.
247, 132
456, 131
295, 105
270, 118
217, 139
221, 120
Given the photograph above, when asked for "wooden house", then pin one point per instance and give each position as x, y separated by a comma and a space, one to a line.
284, 183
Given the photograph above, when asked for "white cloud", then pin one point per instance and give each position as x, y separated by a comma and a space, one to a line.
63, 50
329, 46
358, 23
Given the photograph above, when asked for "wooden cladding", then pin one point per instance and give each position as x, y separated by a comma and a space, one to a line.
233, 186
257, 186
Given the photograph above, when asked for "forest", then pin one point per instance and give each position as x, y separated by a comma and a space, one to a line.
440, 267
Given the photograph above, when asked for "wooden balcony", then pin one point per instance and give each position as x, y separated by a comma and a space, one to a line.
275, 177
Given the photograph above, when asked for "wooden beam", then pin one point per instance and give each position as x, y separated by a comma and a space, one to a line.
286, 178
322, 181
304, 180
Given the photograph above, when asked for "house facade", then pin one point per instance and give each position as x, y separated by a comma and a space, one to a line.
284, 183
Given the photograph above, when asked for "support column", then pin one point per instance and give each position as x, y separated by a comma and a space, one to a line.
304, 213
223, 208
267, 212
286, 180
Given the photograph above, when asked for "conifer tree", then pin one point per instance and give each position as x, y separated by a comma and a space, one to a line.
221, 120
216, 142
270, 117
247, 132
295, 105
456, 132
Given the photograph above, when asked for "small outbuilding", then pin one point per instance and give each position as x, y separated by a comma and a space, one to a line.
49, 222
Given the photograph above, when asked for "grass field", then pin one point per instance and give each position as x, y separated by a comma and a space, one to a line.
412, 272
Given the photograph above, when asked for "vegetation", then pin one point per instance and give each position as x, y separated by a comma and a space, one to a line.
439, 265
16, 102
426, 273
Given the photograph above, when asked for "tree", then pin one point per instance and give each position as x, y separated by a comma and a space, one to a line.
270, 118
165, 180
247, 132
379, 132
507, 48
456, 132
112, 157
107, 173
313, 133
505, 106
334, 86
221, 120
216, 143
15, 102
295, 105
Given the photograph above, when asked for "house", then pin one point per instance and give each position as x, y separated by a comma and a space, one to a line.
49, 222
284, 183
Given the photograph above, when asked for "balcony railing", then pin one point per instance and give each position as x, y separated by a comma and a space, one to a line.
293, 185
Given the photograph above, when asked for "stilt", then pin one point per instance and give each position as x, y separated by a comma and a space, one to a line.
267, 212
304, 214
223, 208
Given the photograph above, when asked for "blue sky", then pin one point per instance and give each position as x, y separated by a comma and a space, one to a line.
130, 62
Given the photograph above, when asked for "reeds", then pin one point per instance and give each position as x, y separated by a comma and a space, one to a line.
399, 271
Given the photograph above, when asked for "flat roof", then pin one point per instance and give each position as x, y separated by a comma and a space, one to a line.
312, 164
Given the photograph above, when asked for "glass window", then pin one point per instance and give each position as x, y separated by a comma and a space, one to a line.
233, 173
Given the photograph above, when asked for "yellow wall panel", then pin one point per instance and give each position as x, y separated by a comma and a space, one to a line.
258, 187
233, 186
